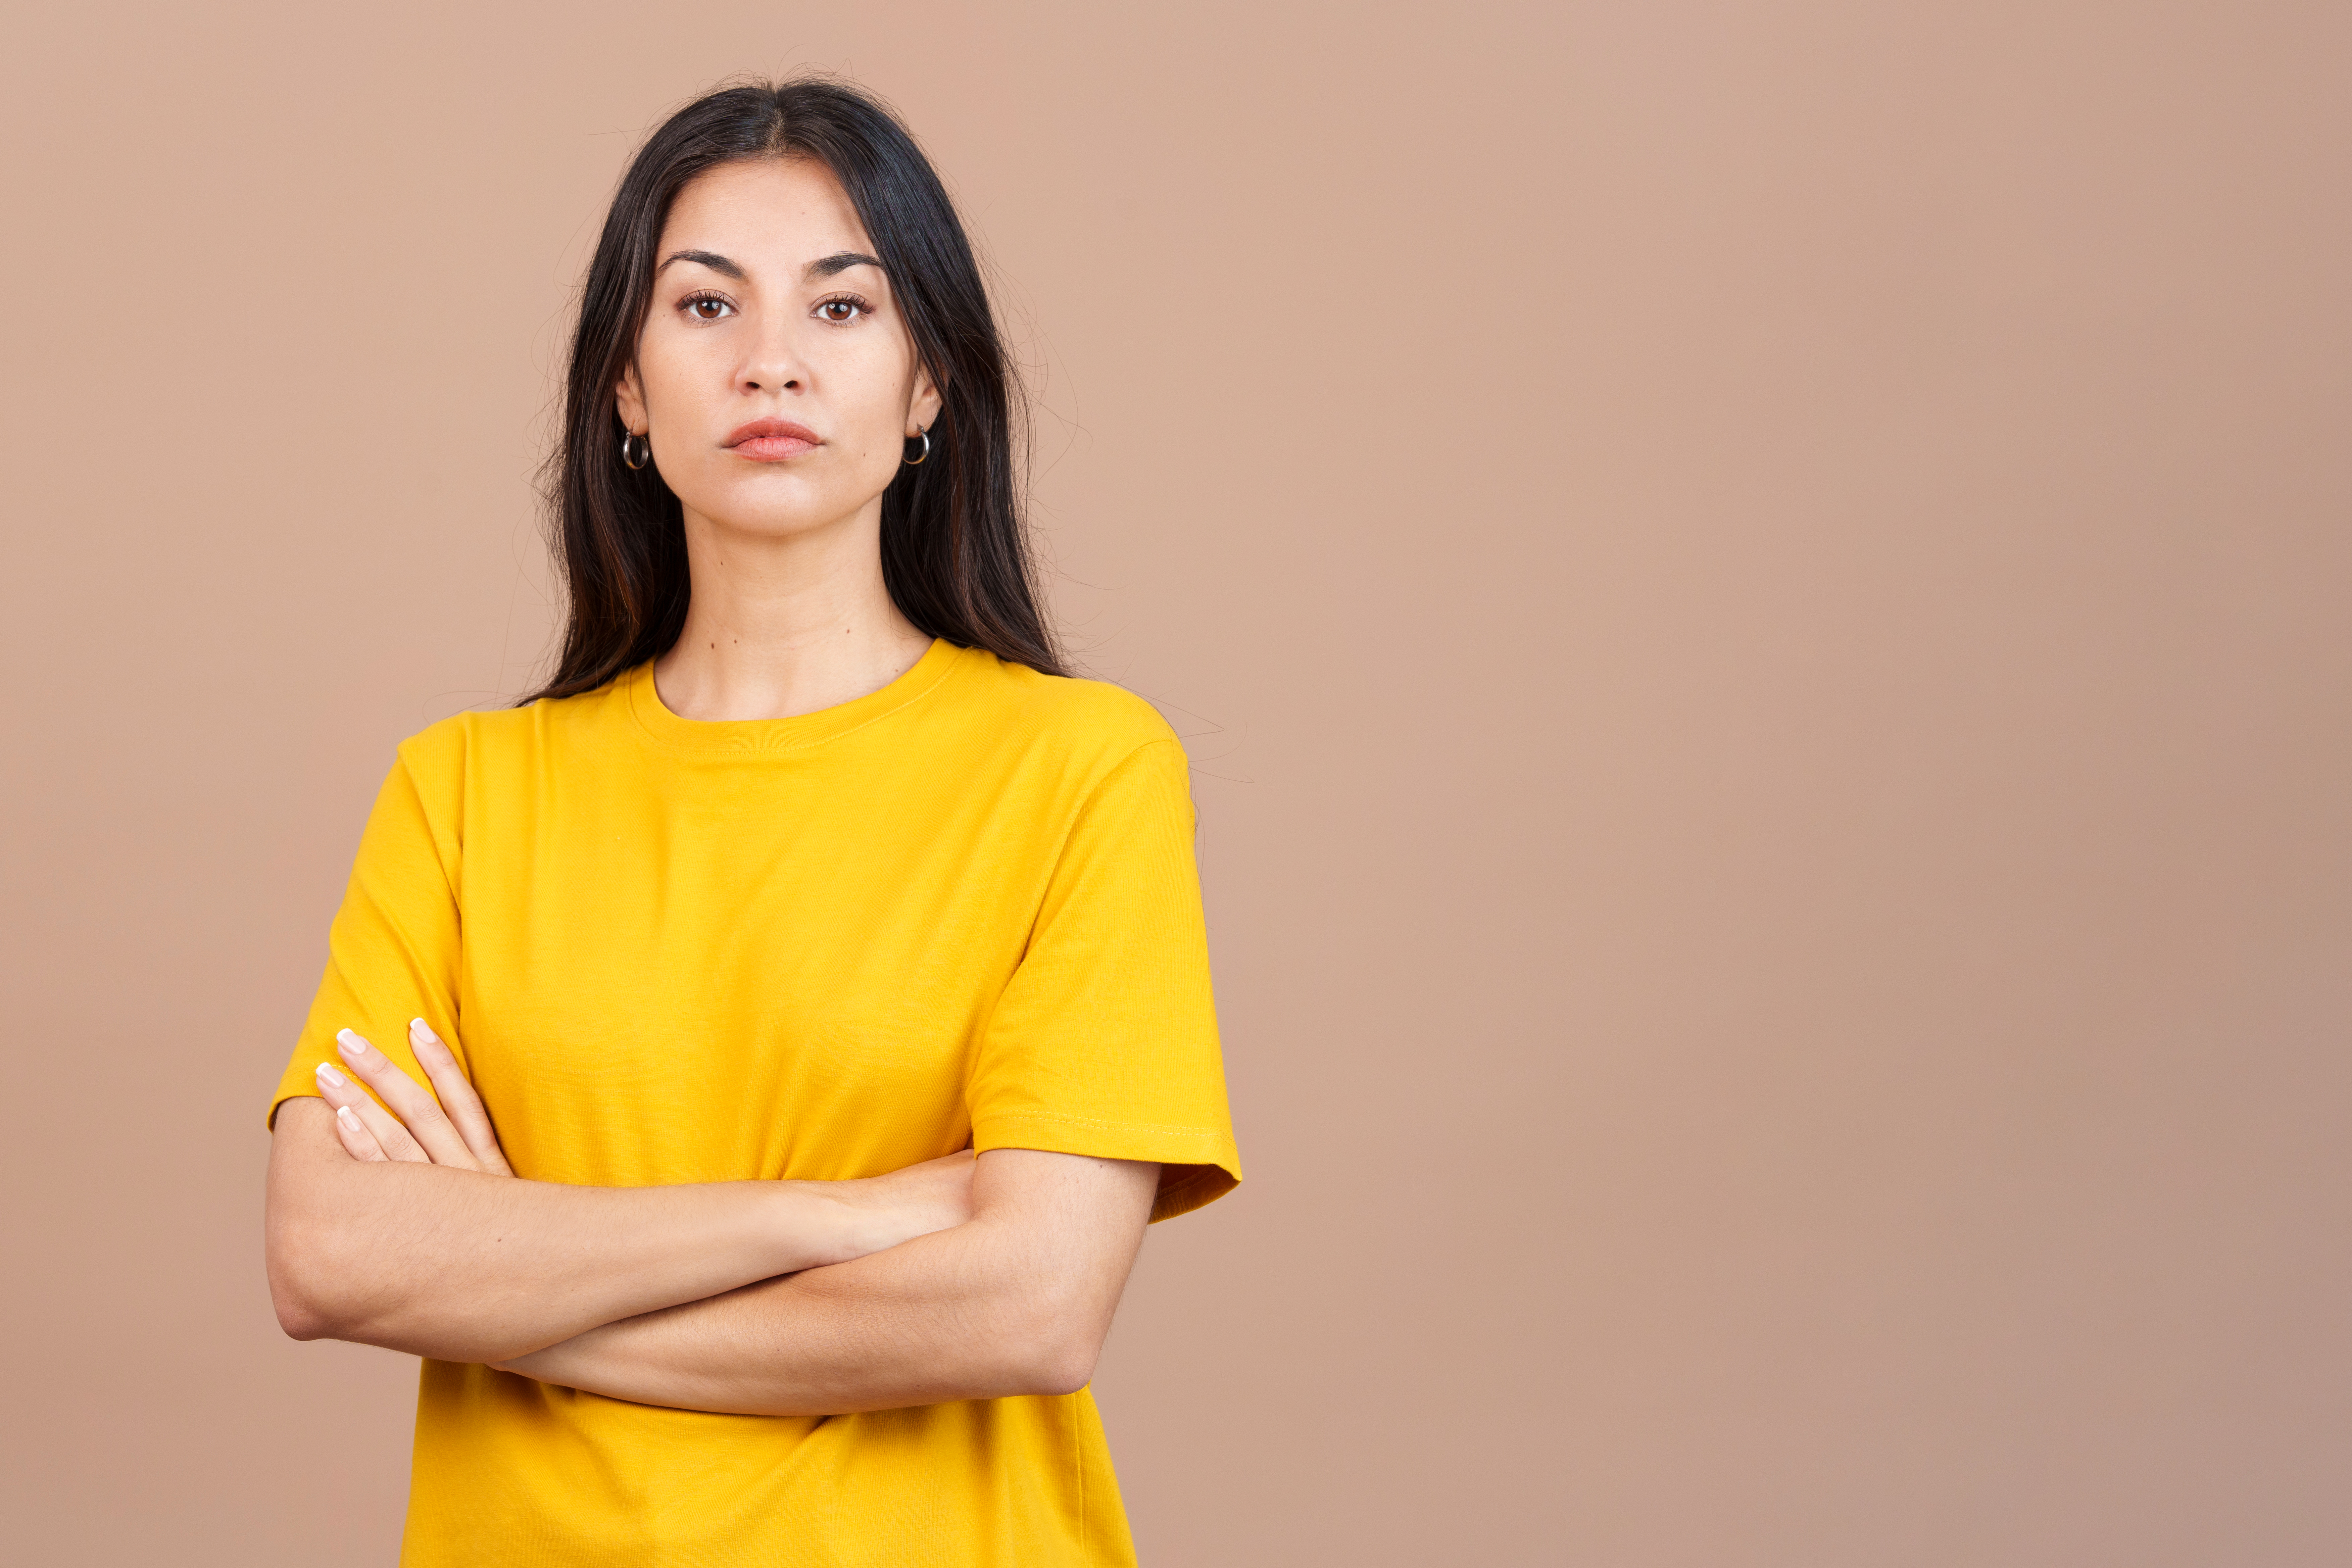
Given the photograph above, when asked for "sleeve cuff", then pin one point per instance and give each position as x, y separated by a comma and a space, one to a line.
1198, 1165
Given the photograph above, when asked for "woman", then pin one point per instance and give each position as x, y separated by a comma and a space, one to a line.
828, 965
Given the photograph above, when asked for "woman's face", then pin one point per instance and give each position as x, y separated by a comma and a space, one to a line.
775, 378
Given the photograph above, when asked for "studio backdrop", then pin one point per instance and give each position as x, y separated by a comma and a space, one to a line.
1756, 595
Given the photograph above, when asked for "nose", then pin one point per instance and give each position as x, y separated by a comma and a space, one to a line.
773, 364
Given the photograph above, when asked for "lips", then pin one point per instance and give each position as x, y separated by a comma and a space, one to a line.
770, 440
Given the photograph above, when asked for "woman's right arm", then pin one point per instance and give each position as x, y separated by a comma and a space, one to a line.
461, 1264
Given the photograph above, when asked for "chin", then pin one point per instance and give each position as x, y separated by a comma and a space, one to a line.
773, 516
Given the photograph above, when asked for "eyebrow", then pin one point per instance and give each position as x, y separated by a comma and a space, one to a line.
822, 266
839, 261
710, 259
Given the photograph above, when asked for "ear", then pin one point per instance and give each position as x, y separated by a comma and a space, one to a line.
923, 408
629, 397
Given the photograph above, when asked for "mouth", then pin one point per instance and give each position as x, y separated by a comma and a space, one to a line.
770, 440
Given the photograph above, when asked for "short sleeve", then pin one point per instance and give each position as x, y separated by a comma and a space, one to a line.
1105, 1041
393, 951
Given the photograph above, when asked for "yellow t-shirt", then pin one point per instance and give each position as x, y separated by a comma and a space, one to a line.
963, 907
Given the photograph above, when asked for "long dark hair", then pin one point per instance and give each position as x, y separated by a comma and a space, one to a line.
955, 554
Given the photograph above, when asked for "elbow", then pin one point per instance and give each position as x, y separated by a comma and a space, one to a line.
301, 1311
304, 1248
297, 1318
1066, 1368
301, 1284
323, 1286
1057, 1350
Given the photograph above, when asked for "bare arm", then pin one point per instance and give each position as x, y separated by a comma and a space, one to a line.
437, 1252
1015, 1301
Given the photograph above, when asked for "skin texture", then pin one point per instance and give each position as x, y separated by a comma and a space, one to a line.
445, 1254
1017, 1300
1014, 1297
392, 1220
789, 614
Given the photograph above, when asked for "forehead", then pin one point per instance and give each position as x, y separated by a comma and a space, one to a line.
772, 213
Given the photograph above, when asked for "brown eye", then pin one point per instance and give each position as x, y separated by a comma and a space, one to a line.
839, 310
707, 308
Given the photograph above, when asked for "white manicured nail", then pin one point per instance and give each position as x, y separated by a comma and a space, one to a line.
351, 1045
344, 1114
329, 1075
421, 1032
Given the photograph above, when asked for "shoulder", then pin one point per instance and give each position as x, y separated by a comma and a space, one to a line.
481, 739
1081, 717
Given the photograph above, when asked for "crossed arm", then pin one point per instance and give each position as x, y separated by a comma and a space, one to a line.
401, 1225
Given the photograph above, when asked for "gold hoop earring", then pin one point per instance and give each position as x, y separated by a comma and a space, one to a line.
635, 450
918, 462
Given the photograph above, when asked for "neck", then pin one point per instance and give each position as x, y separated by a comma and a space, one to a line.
778, 627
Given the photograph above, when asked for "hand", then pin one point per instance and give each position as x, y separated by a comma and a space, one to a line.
915, 1201
453, 1130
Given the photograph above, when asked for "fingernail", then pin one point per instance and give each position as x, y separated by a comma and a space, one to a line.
421, 1032
330, 1077
343, 1114
351, 1045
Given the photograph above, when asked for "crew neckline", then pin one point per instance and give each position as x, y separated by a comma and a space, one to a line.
747, 737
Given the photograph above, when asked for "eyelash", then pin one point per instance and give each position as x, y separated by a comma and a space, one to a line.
687, 304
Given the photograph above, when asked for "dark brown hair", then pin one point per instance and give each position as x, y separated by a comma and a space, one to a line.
955, 554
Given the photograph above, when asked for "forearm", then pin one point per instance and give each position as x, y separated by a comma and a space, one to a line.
1017, 1300
933, 1320
462, 1266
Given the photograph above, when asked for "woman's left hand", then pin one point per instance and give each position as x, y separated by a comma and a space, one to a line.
450, 1130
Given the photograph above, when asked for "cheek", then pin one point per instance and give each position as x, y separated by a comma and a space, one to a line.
868, 405
682, 380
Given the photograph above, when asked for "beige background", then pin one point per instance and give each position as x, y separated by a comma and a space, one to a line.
1759, 597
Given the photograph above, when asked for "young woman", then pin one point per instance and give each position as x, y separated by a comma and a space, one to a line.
810, 980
